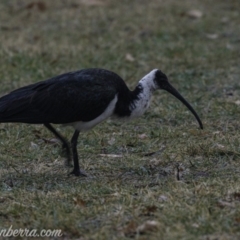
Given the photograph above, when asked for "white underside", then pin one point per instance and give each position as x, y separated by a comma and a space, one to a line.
84, 126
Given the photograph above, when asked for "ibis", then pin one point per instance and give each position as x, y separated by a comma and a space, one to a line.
83, 99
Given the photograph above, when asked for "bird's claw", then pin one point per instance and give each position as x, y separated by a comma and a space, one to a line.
78, 173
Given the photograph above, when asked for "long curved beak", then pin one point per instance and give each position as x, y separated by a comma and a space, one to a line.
168, 87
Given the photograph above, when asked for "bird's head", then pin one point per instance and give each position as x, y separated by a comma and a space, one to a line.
162, 82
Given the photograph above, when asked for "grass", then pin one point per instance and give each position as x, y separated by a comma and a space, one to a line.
190, 189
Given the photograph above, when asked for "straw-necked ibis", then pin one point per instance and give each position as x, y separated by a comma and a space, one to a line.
82, 99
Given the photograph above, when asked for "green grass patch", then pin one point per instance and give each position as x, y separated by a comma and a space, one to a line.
158, 177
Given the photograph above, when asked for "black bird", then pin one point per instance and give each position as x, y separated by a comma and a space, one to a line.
82, 99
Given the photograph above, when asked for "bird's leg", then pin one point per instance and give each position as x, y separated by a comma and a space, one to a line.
65, 144
76, 170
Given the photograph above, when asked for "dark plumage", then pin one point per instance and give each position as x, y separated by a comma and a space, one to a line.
66, 98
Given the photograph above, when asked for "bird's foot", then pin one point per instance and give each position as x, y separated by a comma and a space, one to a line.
78, 173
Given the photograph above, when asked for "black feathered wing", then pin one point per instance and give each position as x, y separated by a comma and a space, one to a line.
67, 98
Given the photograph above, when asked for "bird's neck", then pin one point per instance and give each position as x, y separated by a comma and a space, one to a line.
134, 103
142, 95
